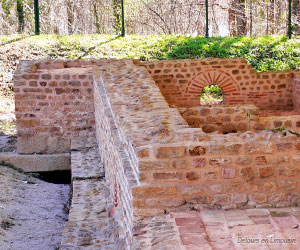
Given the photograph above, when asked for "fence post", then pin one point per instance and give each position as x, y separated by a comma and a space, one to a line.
37, 17
123, 19
290, 32
206, 10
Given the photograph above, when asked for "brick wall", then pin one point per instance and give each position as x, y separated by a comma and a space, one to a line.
54, 104
236, 118
296, 93
229, 172
181, 82
226, 119
116, 150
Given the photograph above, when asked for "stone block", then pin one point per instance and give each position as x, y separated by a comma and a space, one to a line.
56, 145
266, 172
270, 186
284, 147
259, 197
170, 152
210, 175
155, 165
233, 149
216, 149
261, 160
234, 186
254, 212
196, 151
153, 191
168, 176
228, 173
192, 176
219, 161
180, 164
240, 198
199, 162
164, 202
144, 153
288, 184
147, 212
243, 160
38, 163
30, 144
221, 199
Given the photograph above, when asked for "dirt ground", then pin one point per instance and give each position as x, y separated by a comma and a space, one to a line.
32, 212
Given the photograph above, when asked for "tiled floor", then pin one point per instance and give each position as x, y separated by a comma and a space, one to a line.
216, 229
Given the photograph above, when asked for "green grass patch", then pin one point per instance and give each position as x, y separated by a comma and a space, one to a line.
264, 53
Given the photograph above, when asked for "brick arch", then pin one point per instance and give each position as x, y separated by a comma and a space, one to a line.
208, 77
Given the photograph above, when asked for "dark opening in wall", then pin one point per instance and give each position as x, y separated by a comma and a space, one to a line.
56, 177
211, 95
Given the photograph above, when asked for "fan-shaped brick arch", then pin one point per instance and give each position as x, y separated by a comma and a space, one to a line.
212, 77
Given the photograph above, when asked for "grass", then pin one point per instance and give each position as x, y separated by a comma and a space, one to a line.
263, 53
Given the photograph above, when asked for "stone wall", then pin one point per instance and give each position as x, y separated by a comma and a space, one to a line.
54, 104
154, 161
296, 93
237, 118
291, 122
179, 166
223, 118
246, 171
117, 153
181, 82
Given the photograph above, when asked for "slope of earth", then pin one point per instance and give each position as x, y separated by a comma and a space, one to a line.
32, 212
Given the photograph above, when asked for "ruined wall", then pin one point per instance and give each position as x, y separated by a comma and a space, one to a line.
154, 162
220, 171
181, 82
117, 153
179, 166
54, 104
296, 93
237, 118
291, 122
223, 118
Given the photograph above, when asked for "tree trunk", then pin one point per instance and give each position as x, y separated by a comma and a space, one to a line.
20, 13
251, 17
237, 17
96, 16
116, 4
70, 13
241, 18
296, 16
271, 17
232, 18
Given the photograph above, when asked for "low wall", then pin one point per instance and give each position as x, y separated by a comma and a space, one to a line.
291, 122
220, 171
117, 153
296, 93
226, 119
236, 118
54, 104
181, 82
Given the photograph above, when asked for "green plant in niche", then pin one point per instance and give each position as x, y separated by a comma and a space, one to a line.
211, 94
